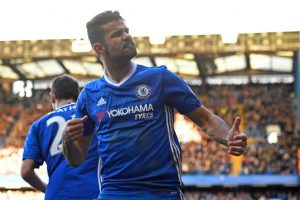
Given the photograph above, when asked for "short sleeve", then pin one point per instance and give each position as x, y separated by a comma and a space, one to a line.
178, 94
81, 111
32, 148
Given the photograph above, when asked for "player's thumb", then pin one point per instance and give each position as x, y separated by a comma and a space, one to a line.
84, 118
236, 124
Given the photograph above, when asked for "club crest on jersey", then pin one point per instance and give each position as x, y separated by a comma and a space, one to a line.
143, 91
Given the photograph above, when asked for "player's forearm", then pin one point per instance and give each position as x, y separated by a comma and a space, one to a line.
73, 153
211, 124
35, 181
217, 129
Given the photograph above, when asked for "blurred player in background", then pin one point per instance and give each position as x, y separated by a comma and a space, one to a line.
132, 110
44, 144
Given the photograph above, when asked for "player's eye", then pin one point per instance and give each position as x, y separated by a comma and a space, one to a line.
117, 33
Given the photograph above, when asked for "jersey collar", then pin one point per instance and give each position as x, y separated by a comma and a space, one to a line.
65, 105
128, 75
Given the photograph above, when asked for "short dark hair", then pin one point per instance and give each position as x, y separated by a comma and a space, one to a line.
94, 26
65, 87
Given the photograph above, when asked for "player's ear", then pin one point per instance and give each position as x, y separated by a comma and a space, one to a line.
98, 48
52, 98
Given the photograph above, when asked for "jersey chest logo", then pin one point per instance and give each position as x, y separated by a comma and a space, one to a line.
143, 91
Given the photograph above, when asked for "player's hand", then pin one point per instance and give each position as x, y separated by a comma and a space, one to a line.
237, 141
74, 129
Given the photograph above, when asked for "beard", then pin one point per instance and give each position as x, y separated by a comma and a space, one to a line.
126, 53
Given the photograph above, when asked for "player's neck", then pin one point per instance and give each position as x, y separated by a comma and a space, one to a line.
63, 102
118, 72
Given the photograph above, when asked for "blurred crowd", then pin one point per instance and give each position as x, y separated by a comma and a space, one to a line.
203, 156
259, 106
31, 110
276, 158
10, 109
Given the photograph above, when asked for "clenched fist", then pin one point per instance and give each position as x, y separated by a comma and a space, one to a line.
74, 129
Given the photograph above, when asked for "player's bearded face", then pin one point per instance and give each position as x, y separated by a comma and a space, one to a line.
119, 44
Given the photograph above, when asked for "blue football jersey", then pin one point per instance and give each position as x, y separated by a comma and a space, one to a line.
44, 144
134, 123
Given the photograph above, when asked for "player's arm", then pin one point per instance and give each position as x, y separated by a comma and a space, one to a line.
75, 144
217, 129
29, 175
177, 94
